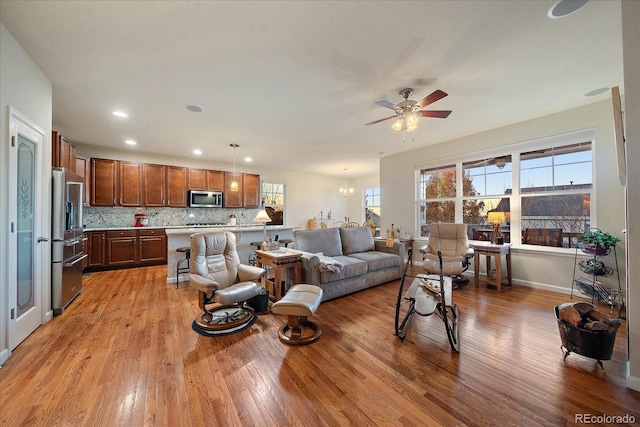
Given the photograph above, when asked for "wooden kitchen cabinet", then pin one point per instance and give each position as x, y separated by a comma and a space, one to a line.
154, 178
83, 168
206, 180
104, 182
115, 183
197, 179
251, 190
152, 246
130, 184
215, 180
63, 153
121, 248
232, 199
95, 249
248, 194
177, 184
125, 248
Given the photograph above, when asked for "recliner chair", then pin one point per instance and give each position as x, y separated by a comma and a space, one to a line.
222, 281
452, 240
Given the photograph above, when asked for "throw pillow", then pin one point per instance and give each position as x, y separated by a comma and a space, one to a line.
356, 240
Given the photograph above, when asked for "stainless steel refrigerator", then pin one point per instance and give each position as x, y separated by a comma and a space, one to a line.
67, 244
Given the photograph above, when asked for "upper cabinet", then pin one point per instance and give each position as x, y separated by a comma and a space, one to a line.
115, 183
165, 186
177, 184
206, 180
63, 153
215, 180
251, 190
154, 184
122, 183
248, 194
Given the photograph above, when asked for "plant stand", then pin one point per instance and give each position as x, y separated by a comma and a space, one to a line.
595, 267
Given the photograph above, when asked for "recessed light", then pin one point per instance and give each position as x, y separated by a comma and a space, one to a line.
197, 152
565, 8
130, 142
194, 108
379, 153
248, 159
120, 114
597, 91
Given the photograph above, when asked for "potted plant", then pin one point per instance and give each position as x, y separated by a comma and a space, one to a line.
374, 227
595, 241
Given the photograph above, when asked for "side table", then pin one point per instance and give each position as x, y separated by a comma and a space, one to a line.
490, 251
279, 260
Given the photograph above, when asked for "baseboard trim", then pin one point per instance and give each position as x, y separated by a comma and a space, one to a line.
4, 356
632, 382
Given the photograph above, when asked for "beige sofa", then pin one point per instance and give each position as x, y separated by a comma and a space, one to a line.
346, 260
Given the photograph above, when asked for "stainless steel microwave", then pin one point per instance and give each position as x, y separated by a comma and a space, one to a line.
205, 199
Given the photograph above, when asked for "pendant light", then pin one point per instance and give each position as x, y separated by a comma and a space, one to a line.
345, 191
234, 183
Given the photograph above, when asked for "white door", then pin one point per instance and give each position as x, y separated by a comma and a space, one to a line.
26, 246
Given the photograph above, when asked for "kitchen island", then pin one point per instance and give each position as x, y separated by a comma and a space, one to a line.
245, 234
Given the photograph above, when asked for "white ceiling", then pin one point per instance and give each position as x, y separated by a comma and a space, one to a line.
293, 83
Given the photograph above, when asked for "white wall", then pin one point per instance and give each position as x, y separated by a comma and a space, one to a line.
631, 52
24, 87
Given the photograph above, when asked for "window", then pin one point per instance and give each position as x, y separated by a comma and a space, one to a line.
555, 194
438, 192
552, 197
372, 205
273, 201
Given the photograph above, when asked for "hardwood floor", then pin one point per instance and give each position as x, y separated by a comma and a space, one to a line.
124, 354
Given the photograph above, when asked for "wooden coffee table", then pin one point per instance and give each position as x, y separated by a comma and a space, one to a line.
279, 260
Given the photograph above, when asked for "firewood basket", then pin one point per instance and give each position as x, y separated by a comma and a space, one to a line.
592, 344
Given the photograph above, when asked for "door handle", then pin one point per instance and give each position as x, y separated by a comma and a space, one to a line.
42, 239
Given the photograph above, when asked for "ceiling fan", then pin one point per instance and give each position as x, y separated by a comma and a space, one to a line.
408, 111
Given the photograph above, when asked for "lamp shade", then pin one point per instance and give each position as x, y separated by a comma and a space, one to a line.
262, 216
496, 217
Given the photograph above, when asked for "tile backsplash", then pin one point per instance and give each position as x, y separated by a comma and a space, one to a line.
113, 217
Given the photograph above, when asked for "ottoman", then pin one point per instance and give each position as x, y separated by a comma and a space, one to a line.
298, 303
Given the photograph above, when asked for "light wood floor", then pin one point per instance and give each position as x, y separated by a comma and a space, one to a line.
124, 354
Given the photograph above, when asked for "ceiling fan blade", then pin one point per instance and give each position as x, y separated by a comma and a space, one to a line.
387, 104
433, 97
380, 120
440, 114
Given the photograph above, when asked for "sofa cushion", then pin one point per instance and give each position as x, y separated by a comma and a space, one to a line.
357, 239
378, 260
325, 240
351, 267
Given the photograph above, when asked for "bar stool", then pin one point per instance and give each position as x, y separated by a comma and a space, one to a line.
286, 242
252, 257
187, 251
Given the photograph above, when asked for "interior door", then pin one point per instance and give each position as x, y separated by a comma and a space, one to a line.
26, 220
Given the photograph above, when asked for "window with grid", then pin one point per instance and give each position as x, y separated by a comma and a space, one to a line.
552, 197
372, 205
273, 196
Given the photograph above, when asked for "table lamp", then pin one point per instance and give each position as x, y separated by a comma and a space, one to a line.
264, 218
496, 218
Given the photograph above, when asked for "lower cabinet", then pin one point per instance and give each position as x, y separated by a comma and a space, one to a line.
125, 248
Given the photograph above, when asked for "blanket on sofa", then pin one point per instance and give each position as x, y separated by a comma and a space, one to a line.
328, 264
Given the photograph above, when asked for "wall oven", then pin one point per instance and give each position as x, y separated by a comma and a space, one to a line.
205, 199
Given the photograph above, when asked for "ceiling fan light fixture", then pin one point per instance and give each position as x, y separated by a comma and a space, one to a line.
398, 124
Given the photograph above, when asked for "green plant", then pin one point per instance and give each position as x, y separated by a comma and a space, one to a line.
373, 224
597, 237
